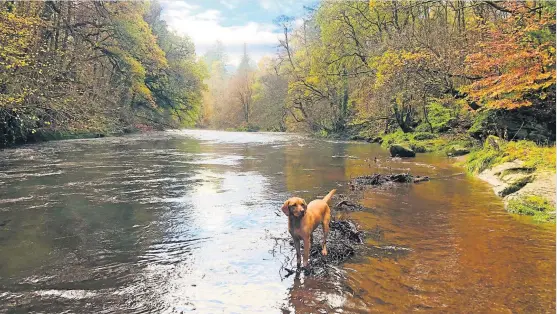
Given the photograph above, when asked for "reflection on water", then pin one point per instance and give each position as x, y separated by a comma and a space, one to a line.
187, 220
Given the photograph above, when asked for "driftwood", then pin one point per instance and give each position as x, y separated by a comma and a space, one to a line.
346, 205
343, 242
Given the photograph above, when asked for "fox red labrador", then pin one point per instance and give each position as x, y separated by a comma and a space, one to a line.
304, 218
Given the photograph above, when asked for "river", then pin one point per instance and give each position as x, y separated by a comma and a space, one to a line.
187, 220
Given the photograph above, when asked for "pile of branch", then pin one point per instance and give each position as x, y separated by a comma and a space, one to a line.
343, 242
381, 179
346, 205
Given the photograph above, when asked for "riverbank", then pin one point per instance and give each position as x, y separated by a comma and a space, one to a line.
522, 173
51, 134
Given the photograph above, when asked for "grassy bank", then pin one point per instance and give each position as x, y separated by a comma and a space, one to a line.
538, 207
424, 142
535, 163
496, 151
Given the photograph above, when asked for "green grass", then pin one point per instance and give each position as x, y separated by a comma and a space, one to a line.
534, 157
537, 207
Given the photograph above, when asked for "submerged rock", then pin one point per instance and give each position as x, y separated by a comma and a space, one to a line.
398, 150
376, 139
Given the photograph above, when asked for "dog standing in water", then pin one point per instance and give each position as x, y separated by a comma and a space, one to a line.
304, 218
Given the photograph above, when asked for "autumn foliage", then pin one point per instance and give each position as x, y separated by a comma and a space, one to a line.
515, 62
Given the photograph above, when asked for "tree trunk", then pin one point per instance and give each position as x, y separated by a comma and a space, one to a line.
426, 116
403, 118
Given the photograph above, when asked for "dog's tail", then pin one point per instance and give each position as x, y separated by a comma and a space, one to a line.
328, 197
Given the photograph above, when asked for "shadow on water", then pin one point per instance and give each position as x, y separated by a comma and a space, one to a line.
190, 221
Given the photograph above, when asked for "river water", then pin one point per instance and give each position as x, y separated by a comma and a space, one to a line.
183, 221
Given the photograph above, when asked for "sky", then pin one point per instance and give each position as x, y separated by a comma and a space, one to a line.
233, 22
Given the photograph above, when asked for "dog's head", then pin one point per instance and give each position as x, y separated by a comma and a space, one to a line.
294, 206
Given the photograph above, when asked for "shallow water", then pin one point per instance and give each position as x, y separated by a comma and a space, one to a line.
190, 221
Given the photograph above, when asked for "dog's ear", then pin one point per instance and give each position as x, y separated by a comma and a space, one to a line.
284, 208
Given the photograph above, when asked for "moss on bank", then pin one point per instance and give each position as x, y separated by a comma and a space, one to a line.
423, 142
536, 162
539, 208
496, 151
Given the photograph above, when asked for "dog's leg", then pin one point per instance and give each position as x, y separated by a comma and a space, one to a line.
306, 251
298, 255
325, 225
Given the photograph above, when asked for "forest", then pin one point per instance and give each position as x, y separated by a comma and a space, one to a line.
473, 78
367, 68
91, 68
385, 71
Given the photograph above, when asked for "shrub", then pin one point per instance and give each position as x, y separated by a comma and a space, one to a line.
396, 137
440, 118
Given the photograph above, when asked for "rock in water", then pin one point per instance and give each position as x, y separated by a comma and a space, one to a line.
376, 139
418, 179
457, 151
398, 150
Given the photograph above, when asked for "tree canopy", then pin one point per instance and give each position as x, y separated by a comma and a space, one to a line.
73, 66
388, 65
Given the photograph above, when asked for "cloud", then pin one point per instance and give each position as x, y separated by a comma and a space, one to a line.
283, 6
205, 27
267, 4
229, 4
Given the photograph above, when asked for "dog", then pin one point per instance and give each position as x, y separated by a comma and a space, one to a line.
303, 219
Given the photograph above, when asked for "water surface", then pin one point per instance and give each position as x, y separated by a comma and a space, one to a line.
190, 221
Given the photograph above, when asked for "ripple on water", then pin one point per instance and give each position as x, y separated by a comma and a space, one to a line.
188, 220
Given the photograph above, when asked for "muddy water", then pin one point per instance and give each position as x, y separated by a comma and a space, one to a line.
190, 221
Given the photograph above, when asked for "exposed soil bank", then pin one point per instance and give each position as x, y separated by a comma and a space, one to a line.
514, 182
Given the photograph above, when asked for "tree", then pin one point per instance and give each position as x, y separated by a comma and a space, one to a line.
515, 62
270, 90
243, 83
92, 67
